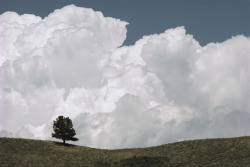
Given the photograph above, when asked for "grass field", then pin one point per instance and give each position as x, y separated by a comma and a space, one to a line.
208, 152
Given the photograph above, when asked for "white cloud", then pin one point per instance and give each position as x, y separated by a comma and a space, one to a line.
11, 26
163, 89
109, 32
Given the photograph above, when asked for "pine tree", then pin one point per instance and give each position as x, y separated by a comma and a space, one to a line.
63, 129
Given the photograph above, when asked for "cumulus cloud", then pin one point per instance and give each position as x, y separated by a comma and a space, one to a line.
164, 88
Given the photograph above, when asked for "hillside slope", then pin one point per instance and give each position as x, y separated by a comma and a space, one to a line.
207, 152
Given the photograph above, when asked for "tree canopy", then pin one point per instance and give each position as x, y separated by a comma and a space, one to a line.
63, 129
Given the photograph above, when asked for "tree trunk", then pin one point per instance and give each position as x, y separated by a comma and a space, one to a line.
64, 141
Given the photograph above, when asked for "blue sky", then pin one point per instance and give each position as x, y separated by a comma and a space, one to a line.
207, 20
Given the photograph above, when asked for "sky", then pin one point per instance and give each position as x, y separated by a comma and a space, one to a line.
207, 20
128, 73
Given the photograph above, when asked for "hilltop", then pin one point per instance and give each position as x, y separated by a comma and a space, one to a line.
226, 152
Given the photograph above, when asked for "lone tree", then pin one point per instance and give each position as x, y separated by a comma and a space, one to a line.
63, 129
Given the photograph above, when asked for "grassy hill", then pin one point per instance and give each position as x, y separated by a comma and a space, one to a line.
207, 152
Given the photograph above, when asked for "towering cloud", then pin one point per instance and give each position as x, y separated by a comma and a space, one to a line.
163, 89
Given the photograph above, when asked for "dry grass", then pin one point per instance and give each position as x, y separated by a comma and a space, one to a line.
208, 152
